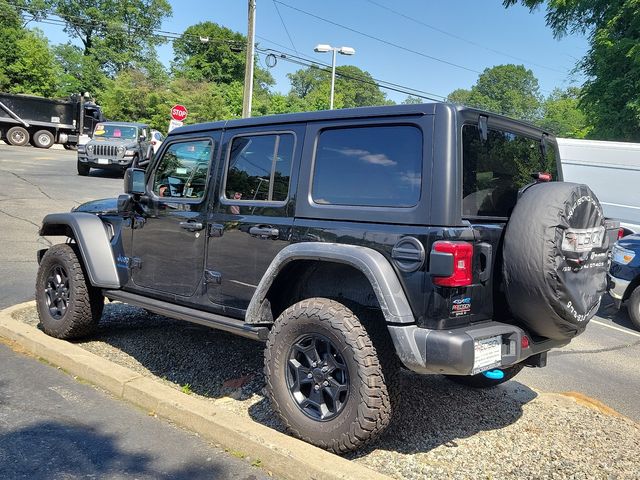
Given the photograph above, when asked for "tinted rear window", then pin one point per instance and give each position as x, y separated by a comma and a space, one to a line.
377, 166
494, 170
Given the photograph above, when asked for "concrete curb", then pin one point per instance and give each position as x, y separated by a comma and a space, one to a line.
285, 456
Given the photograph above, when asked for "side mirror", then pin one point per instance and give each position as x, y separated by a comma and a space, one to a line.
134, 181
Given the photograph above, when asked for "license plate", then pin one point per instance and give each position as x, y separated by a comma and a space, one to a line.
103, 161
487, 354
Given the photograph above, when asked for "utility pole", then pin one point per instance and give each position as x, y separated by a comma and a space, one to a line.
248, 70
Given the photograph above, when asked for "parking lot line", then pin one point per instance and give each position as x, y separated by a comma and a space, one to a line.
612, 327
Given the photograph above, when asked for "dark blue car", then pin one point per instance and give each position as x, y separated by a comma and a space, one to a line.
624, 276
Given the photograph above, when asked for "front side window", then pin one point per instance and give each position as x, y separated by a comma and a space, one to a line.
377, 166
183, 170
259, 168
495, 169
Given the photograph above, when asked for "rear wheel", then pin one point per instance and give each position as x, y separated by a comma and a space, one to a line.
633, 307
17, 136
487, 379
43, 139
68, 306
83, 169
324, 378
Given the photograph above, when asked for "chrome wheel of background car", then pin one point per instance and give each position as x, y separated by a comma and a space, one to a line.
57, 291
317, 377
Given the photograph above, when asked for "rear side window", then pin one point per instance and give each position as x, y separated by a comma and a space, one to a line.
378, 166
259, 168
494, 170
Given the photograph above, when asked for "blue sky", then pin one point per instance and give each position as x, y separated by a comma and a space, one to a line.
473, 35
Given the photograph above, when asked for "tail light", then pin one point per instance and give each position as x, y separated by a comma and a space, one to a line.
620, 233
542, 176
462, 253
153, 142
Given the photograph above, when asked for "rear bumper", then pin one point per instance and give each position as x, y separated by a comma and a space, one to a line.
453, 352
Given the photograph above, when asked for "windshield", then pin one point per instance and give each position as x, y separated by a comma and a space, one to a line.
116, 131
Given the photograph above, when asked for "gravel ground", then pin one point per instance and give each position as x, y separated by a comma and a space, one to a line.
441, 429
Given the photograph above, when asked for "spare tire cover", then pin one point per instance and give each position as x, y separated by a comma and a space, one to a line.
555, 259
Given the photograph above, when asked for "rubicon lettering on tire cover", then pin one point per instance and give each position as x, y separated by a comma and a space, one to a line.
582, 240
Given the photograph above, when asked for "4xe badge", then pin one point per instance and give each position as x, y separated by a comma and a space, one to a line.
461, 306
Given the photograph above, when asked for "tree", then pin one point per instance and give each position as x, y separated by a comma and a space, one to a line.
562, 115
79, 73
209, 52
26, 62
353, 88
610, 96
118, 34
510, 90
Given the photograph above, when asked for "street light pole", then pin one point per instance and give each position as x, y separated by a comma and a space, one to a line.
333, 77
322, 48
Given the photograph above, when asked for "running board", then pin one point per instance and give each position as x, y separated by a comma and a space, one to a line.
231, 325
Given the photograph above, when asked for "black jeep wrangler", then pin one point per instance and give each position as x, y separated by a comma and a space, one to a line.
351, 242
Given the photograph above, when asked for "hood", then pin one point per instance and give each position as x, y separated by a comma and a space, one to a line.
105, 205
630, 242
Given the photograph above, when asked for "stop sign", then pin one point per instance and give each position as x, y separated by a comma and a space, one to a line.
179, 113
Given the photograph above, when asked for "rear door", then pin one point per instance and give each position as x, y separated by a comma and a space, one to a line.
251, 218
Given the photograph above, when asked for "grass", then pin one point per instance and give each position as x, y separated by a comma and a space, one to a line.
186, 388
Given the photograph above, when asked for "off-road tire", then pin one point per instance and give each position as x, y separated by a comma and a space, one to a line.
84, 304
43, 139
18, 136
633, 307
83, 169
367, 408
481, 381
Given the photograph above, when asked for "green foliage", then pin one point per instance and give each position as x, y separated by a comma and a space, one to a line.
220, 59
79, 73
563, 116
26, 62
610, 96
510, 90
353, 88
117, 34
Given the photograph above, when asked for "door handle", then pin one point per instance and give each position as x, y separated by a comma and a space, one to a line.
192, 226
264, 231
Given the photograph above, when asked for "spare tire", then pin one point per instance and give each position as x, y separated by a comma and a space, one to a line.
555, 259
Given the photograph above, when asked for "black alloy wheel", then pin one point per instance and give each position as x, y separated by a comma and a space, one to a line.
57, 291
317, 377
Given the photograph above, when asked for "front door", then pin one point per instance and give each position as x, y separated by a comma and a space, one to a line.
252, 214
169, 234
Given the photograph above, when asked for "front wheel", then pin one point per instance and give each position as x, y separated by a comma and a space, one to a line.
324, 378
633, 307
487, 379
68, 306
83, 169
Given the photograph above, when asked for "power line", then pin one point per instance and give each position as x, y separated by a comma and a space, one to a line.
458, 37
377, 39
285, 26
376, 82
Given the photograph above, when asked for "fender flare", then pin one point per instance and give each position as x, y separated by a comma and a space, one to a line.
92, 239
375, 267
